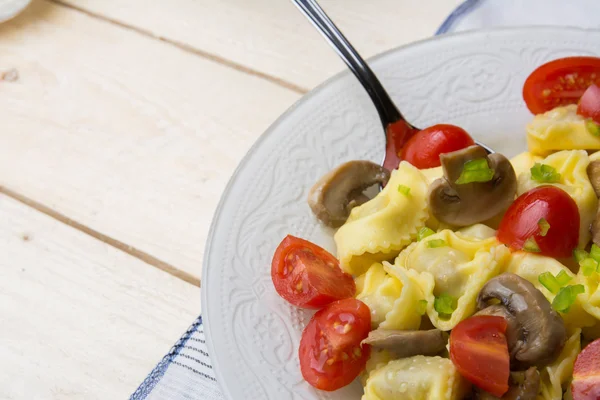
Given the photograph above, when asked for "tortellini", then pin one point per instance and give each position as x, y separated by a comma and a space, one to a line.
554, 376
392, 297
524, 161
572, 166
416, 378
560, 129
380, 228
530, 266
459, 267
591, 296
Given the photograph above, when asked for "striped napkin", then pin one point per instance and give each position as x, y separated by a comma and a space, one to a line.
186, 371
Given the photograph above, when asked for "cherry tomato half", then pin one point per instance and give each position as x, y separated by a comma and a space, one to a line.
522, 222
560, 82
307, 275
397, 134
586, 373
424, 148
331, 355
589, 105
479, 350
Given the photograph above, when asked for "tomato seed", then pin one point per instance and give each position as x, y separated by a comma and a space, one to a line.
347, 328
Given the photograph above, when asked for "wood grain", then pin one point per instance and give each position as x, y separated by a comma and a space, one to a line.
124, 134
80, 319
272, 37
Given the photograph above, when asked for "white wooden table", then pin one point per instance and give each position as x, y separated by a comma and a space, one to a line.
116, 142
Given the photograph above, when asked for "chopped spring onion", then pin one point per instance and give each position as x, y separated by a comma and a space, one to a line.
595, 253
592, 127
588, 266
445, 305
566, 297
434, 243
531, 245
476, 170
405, 190
563, 278
424, 232
580, 255
544, 173
544, 226
422, 307
549, 282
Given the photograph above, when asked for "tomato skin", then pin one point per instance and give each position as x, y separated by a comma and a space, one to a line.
586, 373
589, 105
423, 149
560, 82
554, 205
307, 275
479, 350
397, 134
330, 352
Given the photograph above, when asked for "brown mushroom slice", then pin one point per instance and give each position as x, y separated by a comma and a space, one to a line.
471, 203
408, 343
593, 171
332, 198
523, 386
539, 331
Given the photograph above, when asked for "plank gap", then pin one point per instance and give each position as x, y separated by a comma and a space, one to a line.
132, 251
189, 49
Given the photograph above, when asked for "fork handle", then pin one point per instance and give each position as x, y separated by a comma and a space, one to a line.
388, 112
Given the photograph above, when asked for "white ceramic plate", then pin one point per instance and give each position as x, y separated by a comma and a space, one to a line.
11, 8
473, 80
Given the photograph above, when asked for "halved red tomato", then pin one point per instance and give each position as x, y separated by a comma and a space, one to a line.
331, 355
424, 148
397, 134
586, 373
589, 105
479, 350
560, 82
524, 222
307, 275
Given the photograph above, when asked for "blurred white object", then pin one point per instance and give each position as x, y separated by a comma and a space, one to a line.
480, 14
10, 8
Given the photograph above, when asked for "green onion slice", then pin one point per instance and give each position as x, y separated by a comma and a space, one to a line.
424, 232
580, 255
592, 127
476, 170
566, 297
445, 305
549, 282
544, 226
405, 190
434, 243
531, 245
563, 278
544, 173
422, 307
595, 253
588, 266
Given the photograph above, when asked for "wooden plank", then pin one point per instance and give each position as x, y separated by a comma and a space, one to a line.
122, 133
80, 319
272, 37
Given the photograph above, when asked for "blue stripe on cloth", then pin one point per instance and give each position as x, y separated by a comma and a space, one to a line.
458, 13
158, 372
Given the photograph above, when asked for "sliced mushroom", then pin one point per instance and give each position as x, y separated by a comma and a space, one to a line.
408, 343
523, 386
471, 203
341, 189
593, 171
539, 333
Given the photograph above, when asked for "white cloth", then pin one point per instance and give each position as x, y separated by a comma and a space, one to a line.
186, 372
